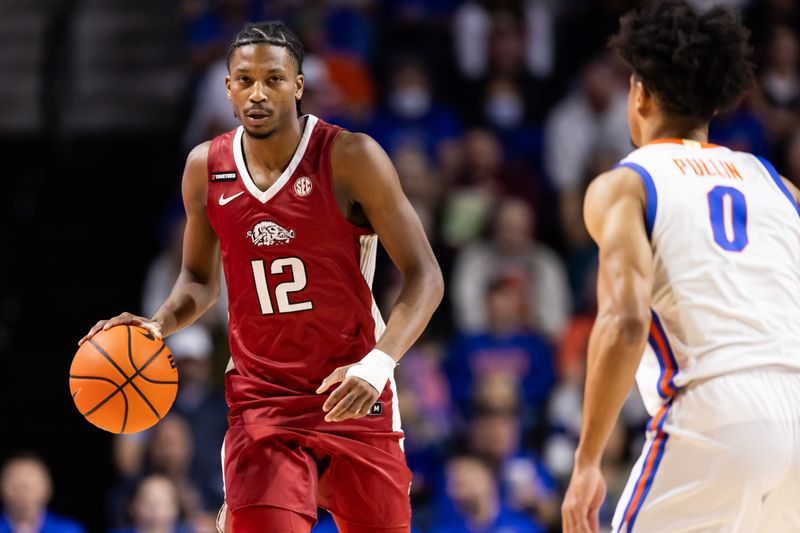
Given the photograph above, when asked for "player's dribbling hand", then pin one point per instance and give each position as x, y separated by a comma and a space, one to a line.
121, 320
580, 511
352, 399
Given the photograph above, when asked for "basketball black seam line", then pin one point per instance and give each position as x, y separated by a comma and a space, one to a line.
73, 376
146, 400
139, 374
133, 365
130, 351
127, 379
125, 416
102, 402
110, 360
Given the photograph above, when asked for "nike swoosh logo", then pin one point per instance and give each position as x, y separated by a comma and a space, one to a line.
148, 335
223, 200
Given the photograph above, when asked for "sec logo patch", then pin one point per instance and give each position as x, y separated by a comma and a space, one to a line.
302, 187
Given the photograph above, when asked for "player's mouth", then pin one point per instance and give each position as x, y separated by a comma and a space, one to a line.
257, 117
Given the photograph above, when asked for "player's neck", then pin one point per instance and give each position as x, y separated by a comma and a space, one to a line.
274, 152
673, 130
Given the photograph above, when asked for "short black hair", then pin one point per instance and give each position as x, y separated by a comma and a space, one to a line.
696, 64
272, 32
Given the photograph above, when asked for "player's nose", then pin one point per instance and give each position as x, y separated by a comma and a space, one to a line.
257, 94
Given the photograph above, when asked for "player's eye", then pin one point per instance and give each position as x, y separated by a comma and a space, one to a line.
244, 79
274, 79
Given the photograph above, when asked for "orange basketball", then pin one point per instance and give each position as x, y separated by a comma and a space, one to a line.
123, 379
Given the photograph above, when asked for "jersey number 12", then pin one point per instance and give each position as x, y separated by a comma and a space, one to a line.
282, 290
727, 208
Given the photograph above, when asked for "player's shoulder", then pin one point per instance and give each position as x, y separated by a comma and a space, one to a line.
356, 157
619, 181
199, 154
351, 146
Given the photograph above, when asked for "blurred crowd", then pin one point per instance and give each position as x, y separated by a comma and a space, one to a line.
496, 114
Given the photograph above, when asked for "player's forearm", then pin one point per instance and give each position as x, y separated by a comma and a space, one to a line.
421, 294
188, 300
615, 349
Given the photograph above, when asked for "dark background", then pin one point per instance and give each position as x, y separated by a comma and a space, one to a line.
94, 99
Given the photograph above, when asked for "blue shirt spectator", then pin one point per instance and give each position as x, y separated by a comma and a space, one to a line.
524, 355
26, 489
471, 502
412, 115
50, 523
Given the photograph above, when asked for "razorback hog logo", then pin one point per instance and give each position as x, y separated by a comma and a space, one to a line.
268, 233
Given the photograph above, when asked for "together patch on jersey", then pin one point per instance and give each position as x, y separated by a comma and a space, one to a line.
223, 176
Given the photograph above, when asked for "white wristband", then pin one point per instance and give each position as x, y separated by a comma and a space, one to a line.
375, 368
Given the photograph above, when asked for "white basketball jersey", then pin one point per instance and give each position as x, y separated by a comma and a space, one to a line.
725, 233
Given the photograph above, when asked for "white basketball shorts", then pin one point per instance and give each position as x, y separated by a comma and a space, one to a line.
722, 456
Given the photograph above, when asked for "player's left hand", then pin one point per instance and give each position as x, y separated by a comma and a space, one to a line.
352, 399
580, 511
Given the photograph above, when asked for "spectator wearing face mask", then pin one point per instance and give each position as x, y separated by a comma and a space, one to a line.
413, 116
26, 489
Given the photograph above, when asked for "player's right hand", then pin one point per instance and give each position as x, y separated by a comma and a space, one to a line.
580, 511
122, 320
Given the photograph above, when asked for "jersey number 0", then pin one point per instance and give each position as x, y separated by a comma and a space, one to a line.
727, 208
282, 290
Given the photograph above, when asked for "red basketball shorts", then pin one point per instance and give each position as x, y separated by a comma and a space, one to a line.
361, 478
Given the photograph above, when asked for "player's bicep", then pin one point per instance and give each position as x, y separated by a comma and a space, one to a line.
614, 208
200, 242
369, 178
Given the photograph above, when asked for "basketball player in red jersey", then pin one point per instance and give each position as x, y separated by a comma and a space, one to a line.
294, 207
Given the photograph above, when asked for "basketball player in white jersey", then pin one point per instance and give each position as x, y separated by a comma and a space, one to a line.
699, 297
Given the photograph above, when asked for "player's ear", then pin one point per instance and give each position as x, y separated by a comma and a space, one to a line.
228, 87
642, 98
299, 85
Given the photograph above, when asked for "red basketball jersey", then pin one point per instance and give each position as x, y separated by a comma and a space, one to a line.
299, 278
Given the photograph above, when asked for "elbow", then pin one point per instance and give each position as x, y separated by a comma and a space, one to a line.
430, 282
630, 325
215, 290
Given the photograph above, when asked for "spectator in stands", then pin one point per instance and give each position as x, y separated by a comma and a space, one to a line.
421, 183
155, 508
503, 40
473, 503
168, 452
26, 489
495, 435
507, 347
425, 408
203, 407
511, 251
487, 31
413, 115
211, 111
591, 118
476, 188
780, 83
165, 267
